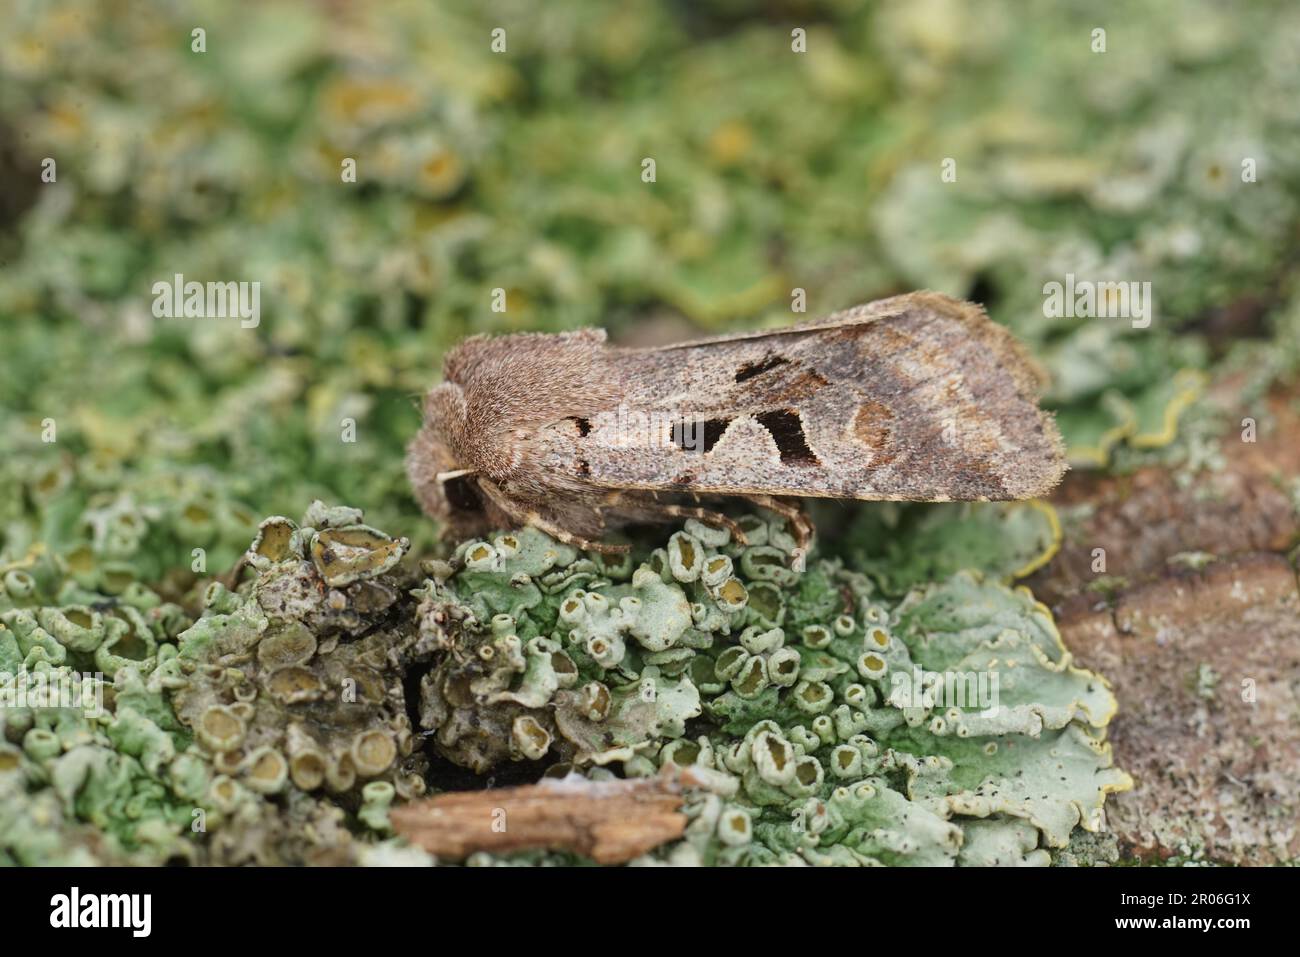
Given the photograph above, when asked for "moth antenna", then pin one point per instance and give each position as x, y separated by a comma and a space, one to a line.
455, 474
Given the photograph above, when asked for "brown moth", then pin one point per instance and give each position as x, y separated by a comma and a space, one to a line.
919, 397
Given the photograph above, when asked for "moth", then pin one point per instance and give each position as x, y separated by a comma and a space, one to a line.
919, 397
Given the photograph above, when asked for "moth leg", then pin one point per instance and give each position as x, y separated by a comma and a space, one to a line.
530, 517
707, 516
586, 544
800, 525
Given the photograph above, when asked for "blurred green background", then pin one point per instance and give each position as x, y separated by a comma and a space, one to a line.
521, 170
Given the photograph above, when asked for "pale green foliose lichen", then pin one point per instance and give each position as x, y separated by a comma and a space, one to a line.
902, 546
837, 727
823, 722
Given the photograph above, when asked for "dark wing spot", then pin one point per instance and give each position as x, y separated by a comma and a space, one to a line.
786, 429
584, 425
750, 369
698, 435
584, 468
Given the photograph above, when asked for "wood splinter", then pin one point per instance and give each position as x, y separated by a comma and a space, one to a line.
611, 822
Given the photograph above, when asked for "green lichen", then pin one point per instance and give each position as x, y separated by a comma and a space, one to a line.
274, 726
210, 740
901, 547
799, 699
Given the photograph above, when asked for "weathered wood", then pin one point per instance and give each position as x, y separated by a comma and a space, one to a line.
1205, 664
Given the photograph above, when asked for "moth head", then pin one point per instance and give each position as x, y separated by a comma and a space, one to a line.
445, 482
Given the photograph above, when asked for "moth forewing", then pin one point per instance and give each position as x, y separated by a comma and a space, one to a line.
917, 398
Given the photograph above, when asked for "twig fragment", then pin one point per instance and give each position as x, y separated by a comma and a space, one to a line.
611, 822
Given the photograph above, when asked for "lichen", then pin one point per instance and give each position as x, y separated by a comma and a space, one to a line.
795, 696
259, 732
901, 546
275, 726
296, 680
